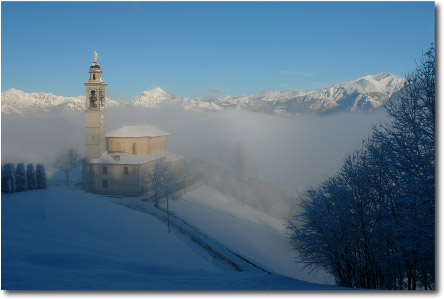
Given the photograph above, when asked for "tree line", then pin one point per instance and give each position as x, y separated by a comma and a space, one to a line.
372, 225
16, 179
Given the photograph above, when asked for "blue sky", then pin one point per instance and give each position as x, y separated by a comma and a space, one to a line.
207, 49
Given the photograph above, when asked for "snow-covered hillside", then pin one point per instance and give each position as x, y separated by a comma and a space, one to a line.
363, 94
64, 238
15, 101
250, 232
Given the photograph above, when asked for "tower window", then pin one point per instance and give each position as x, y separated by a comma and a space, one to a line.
134, 148
94, 76
105, 184
105, 170
125, 170
93, 99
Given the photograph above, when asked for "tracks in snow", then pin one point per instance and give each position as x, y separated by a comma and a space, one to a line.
216, 250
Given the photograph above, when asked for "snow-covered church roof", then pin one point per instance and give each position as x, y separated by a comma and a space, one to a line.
130, 159
137, 131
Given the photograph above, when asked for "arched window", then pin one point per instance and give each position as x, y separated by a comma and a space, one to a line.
94, 76
101, 99
93, 99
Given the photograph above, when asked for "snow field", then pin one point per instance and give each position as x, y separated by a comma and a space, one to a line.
67, 231
64, 238
249, 232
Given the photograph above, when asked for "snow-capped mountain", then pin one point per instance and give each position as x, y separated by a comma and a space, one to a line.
268, 102
153, 98
363, 94
15, 101
156, 97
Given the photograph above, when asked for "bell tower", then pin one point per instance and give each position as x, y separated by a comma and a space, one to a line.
95, 112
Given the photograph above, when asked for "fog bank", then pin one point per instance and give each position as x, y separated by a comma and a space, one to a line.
296, 151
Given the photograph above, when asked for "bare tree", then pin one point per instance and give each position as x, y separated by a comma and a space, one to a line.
372, 225
161, 181
410, 142
158, 179
67, 160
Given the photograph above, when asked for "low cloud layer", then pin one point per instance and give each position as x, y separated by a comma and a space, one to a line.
296, 151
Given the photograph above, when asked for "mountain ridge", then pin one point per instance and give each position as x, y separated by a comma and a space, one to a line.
15, 101
362, 94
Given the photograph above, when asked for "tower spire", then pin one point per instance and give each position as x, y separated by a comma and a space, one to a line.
95, 56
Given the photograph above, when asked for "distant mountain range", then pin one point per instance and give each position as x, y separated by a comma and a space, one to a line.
363, 94
15, 101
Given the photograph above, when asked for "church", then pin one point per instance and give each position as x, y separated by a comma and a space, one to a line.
115, 162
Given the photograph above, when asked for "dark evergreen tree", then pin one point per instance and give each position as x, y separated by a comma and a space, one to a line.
40, 176
30, 176
9, 184
4, 184
20, 178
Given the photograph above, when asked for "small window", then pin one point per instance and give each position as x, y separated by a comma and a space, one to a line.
134, 148
105, 184
105, 170
94, 76
125, 170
